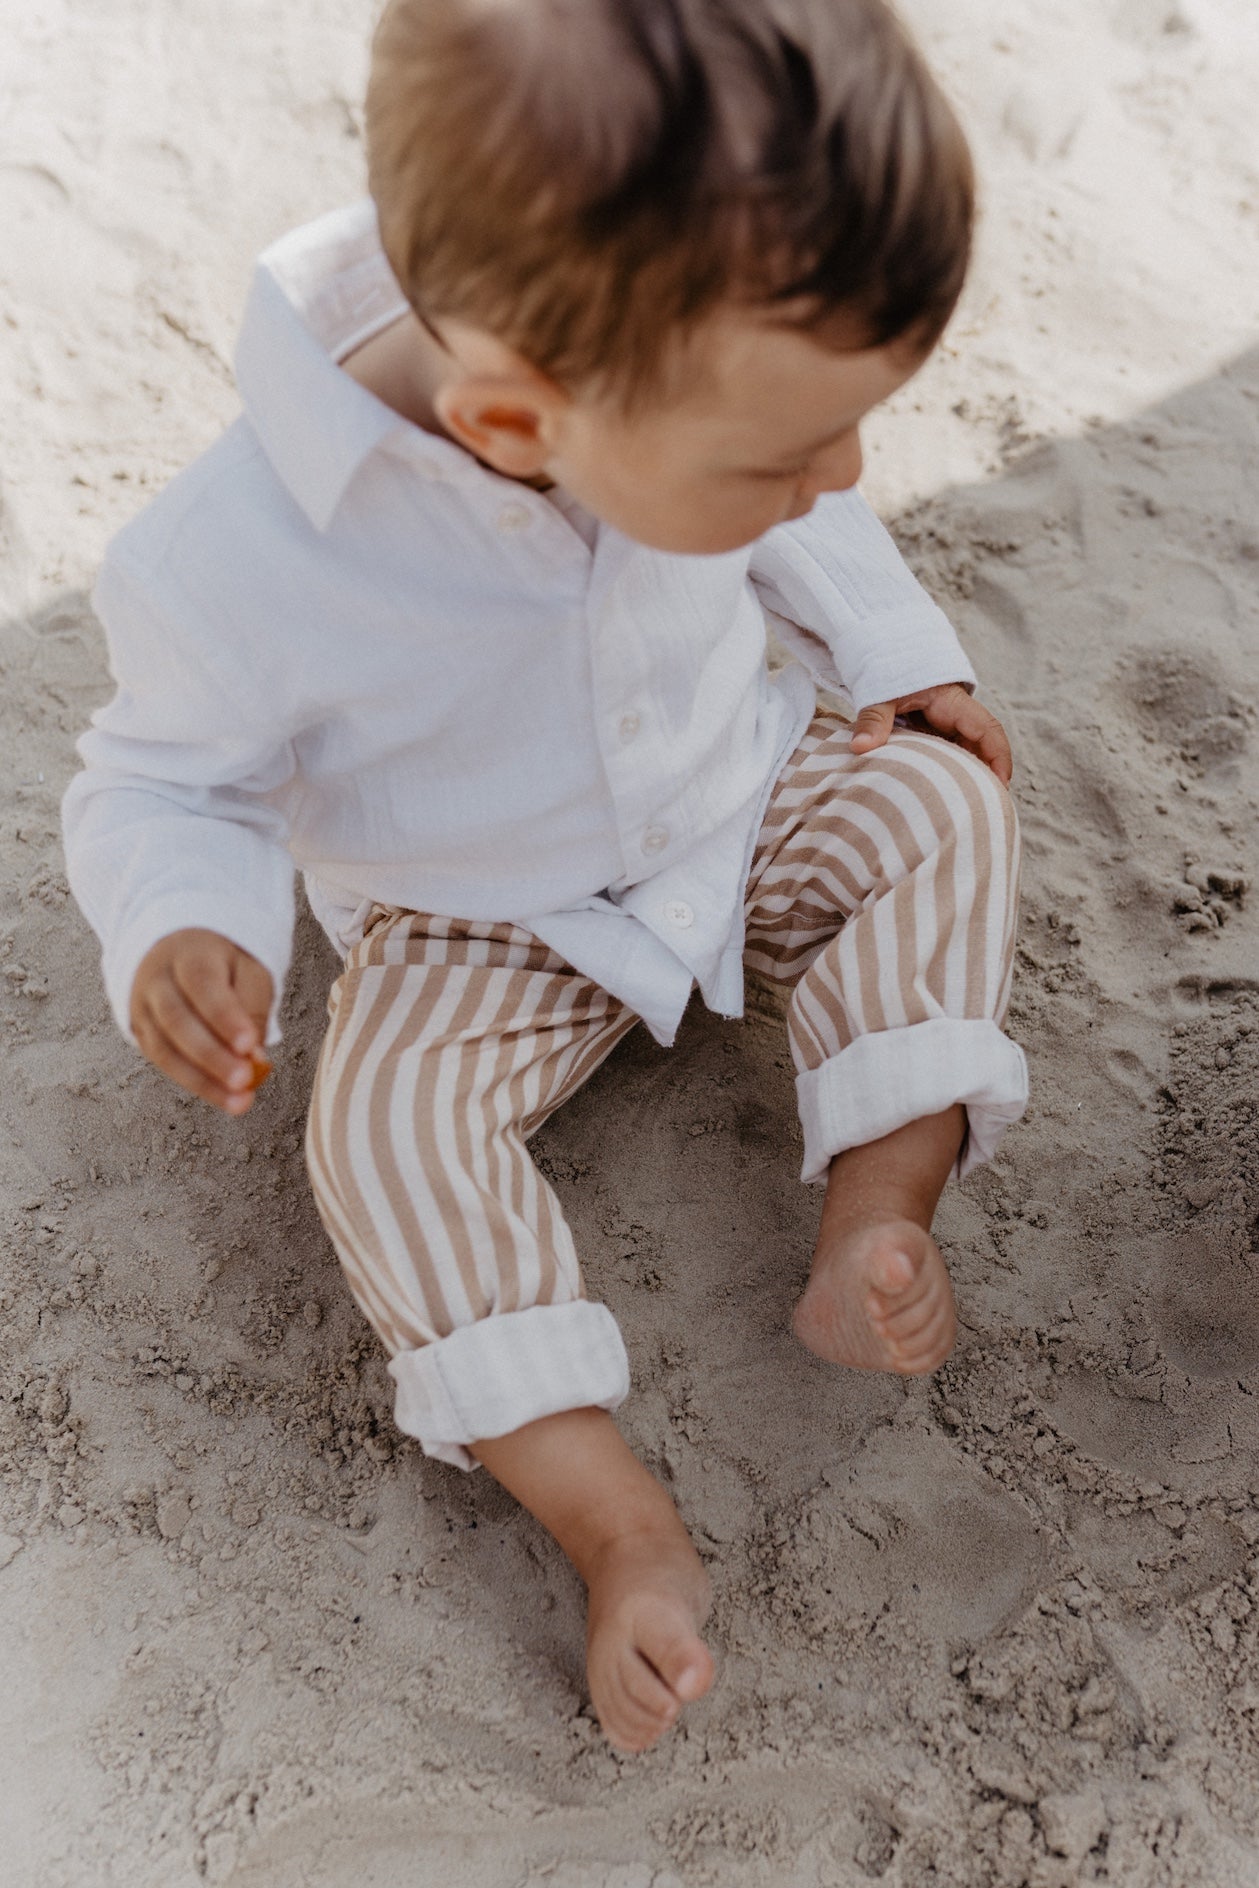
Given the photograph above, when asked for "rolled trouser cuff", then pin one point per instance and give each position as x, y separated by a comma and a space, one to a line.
489, 1378
881, 1082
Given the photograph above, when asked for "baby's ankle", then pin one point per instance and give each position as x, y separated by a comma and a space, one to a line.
648, 1548
575, 1472
897, 1178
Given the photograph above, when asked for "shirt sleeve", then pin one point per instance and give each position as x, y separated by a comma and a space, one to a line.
849, 607
170, 825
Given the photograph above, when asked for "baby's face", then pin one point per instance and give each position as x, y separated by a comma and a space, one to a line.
765, 420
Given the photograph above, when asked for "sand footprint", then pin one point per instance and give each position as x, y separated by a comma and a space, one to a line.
1206, 1306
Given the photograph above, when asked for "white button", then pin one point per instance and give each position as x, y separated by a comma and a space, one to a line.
678, 913
655, 839
627, 727
514, 518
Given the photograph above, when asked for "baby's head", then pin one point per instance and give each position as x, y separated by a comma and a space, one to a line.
675, 250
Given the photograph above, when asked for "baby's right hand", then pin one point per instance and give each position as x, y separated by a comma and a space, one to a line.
199, 1008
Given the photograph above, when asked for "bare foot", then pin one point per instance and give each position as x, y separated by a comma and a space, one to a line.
879, 1299
648, 1592
649, 1596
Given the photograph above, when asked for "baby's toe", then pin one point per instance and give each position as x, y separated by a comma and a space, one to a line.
680, 1657
644, 1689
635, 1706
901, 1318
894, 1273
919, 1334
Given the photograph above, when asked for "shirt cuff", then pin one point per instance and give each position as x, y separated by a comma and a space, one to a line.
490, 1378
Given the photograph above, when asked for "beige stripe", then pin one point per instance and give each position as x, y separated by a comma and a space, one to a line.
999, 830
398, 1157
1013, 877
459, 1113
552, 1021
337, 1017
818, 864
373, 1261
910, 914
596, 1022
525, 1184
935, 882
883, 942
872, 856
832, 989
899, 925
340, 1154
978, 869
429, 987
378, 1311
1013, 866
615, 1027
328, 1200
981, 797
398, 939
398, 1242
816, 1030
547, 1032
508, 1047
440, 1126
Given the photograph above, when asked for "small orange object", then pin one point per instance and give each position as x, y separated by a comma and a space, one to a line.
261, 1068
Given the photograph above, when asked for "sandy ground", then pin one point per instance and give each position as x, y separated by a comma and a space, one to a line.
992, 1629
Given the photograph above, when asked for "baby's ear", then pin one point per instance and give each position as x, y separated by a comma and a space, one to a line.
508, 424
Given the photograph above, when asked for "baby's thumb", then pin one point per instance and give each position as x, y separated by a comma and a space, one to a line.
872, 726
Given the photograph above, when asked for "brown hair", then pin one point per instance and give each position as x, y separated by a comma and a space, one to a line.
586, 179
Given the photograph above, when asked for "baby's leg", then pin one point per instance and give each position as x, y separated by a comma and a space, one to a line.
885, 887
449, 1042
648, 1591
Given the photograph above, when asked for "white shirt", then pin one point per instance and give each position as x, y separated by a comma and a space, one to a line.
342, 641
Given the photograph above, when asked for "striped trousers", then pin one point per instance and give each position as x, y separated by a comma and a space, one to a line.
883, 888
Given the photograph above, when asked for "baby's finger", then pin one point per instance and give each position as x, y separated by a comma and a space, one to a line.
254, 988
994, 747
985, 736
182, 1029
205, 978
162, 1053
872, 727
968, 722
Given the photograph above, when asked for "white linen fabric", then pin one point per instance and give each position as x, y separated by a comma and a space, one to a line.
342, 641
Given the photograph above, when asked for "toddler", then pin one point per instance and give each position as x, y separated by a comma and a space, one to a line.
467, 615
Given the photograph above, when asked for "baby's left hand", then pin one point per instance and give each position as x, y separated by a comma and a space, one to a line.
948, 710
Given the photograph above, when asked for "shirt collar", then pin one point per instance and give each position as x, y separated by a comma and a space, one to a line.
316, 294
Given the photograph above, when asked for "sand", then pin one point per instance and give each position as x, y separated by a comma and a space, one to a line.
991, 1629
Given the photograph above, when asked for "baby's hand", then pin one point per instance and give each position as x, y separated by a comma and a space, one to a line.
949, 710
199, 1008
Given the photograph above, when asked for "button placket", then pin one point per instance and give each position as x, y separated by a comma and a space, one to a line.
625, 669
